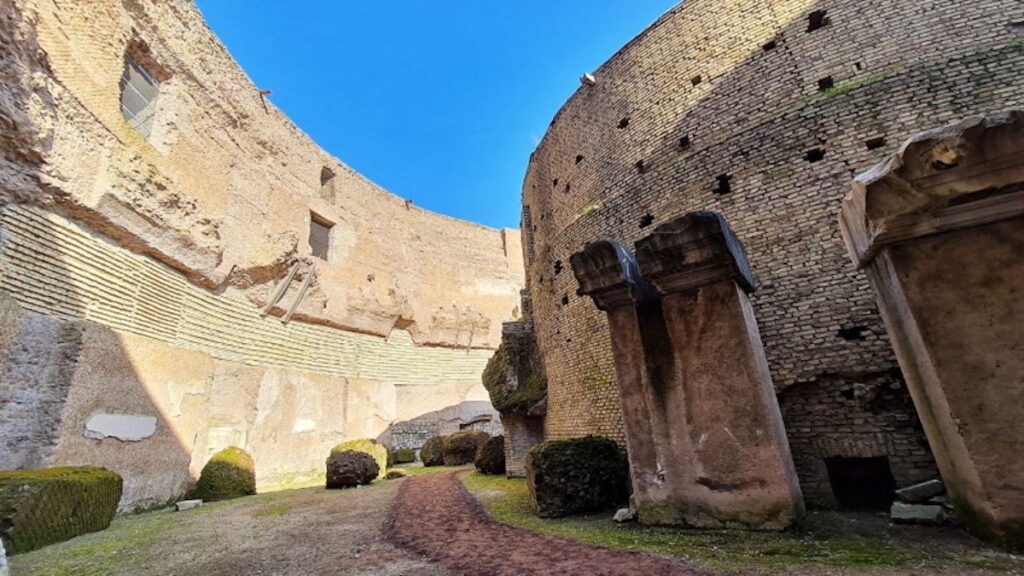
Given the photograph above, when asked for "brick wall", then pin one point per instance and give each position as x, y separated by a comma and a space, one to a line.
727, 106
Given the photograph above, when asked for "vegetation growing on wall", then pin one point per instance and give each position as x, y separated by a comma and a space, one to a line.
514, 376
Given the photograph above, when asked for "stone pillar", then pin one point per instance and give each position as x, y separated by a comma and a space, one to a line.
939, 229
608, 273
738, 472
705, 438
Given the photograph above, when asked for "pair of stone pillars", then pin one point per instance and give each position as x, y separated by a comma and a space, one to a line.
706, 443
939, 229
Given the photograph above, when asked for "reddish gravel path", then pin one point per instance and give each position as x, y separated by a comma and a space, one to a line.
435, 516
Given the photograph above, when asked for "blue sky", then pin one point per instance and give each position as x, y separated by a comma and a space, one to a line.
440, 101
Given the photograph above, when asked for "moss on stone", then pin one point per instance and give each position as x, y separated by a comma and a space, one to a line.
514, 376
40, 507
432, 452
230, 473
578, 475
490, 459
378, 451
461, 447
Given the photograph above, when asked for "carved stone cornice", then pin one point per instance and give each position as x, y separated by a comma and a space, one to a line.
693, 251
959, 176
608, 273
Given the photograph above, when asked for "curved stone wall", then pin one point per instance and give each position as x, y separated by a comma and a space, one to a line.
160, 295
762, 111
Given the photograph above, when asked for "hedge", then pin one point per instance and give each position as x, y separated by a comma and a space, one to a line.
378, 451
230, 473
41, 507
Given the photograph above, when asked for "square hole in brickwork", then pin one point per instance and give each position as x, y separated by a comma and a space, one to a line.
723, 185
815, 155
623, 123
817, 20
319, 235
826, 84
558, 267
696, 80
565, 300
579, 158
858, 67
554, 183
853, 333
568, 187
861, 483
684, 143
646, 221
875, 143
770, 45
641, 167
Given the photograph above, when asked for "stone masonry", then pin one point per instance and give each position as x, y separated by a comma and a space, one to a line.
763, 111
182, 269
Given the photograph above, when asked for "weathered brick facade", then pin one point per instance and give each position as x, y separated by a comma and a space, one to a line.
762, 111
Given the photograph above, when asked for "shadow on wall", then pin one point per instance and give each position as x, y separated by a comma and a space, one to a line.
71, 391
414, 432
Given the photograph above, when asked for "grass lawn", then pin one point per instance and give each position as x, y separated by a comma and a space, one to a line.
849, 542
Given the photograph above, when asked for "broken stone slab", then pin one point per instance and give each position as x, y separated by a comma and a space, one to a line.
187, 505
923, 514
624, 515
920, 493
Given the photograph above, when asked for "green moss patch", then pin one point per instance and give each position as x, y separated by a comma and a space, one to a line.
40, 507
825, 543
514, 376
379, 451
230, 473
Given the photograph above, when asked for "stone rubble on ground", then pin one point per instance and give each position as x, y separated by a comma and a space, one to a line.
921, 493
3, 560
625, 515
187, 505
924, 514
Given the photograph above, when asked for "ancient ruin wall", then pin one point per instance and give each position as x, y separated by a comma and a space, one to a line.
763, 111
134, 268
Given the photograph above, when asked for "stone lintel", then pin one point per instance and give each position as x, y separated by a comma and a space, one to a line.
608, 273
959, 176
693, 251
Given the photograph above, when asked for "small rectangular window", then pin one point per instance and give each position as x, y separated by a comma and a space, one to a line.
319, 236
138, 97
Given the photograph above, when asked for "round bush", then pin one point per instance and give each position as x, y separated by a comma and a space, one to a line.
378, 451
403, 456
349, 468
461, 447
579, 475
396, 473
432, 452
491, 457
229, 474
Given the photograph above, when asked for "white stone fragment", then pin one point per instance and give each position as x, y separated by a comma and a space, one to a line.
624, 515
4, 571
125, 427
187, 505
927, 514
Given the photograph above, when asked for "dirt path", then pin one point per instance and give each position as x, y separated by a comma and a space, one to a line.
307, 532
435, 516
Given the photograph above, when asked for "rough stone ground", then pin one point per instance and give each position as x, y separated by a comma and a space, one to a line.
435, 516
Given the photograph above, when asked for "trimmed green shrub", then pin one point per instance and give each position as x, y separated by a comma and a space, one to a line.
432, 452
378, 451
229, 474
461, 447
395, 473
41, 507
579, 475
403, 456
491, 457
349, 468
